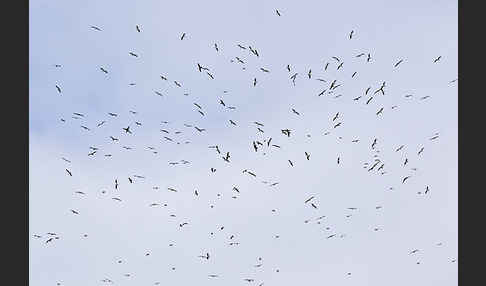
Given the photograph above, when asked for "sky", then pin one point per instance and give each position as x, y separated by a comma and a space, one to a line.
270, 225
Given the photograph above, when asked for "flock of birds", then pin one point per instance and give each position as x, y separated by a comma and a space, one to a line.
264, 144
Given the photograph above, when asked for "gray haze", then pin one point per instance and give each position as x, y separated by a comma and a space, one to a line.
306, 36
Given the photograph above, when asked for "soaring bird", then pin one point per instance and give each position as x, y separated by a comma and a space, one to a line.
291, 164
278, 13
69, 172
399, 62
404, 179
138, 28
254, 82
336, 116
133, 54
183, 35
308, 200
309, 74
437, 59
351, 34
264, 70
127, 130
58, 88
199, 129
288, 68
420, 151
103, 70
307, 155
95, 28
379, 111
340, 65
74, 212
226, 158
295, 111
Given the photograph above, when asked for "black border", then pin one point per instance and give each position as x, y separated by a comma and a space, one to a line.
15, 135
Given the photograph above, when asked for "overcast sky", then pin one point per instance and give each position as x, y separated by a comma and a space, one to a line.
306, 36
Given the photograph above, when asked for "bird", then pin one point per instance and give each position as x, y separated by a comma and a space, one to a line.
138, 28
309, 74
74, 212
308, 200
379, 111
288, 68
264, 70
232, 122
199, 129
103, 70
437, 59
420, 151
351, 34
254, 82
406, 178
183, 35
278, 13
133, 54
307, 155
426, 189
216, 47
295, 111
95, 28
127, 130
291, 164
69, 172
58, 88
399, 62
336, 116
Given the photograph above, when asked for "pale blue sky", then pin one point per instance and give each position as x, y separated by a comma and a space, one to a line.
306, 36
